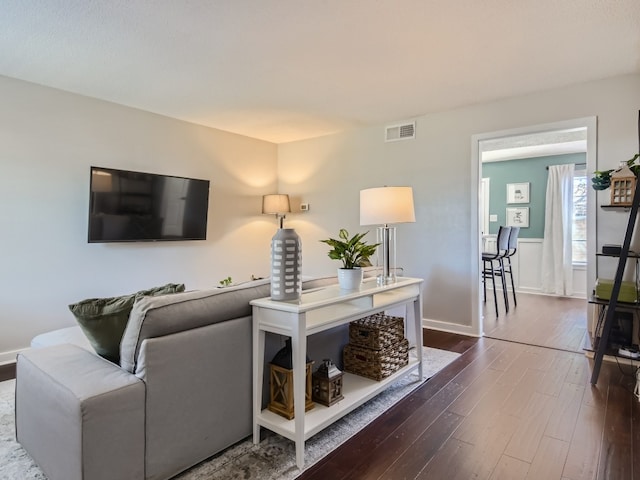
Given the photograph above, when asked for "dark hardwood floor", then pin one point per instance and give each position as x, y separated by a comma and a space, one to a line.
503, 410
7, 372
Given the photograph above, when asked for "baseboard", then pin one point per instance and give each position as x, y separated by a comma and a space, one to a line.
9, 357
537, 291
579, 295
449, 327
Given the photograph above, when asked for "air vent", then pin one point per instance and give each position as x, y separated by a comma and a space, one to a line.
400, 132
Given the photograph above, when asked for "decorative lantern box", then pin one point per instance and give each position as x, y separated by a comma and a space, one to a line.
327, 384
281, 391
623, 186
281, 383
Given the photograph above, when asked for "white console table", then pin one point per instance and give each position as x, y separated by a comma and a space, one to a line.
317, 310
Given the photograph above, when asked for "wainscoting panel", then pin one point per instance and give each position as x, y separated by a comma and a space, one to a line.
527, 267
528, 260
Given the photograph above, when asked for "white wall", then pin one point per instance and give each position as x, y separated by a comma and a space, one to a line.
328, 173
48, 140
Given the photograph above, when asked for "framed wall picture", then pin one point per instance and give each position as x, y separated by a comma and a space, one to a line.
518, 192
518, 217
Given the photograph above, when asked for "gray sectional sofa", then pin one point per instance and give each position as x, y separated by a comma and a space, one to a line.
181, 393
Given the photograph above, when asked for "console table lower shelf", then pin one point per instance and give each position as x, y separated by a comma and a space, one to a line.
316, 311
356, 390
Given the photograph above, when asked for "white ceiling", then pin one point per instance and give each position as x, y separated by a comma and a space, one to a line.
556, 142
283, 70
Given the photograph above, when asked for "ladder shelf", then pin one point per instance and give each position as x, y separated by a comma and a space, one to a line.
612, 304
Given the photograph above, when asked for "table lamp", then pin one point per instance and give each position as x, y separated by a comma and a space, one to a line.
384, 206
276, 204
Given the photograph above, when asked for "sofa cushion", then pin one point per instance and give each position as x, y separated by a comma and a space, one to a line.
153, 317
103, 320
157, 316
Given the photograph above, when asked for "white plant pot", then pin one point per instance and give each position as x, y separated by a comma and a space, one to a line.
350, 278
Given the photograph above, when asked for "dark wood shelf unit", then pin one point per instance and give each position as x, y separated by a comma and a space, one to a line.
609, 352
607, 315
601, 301
619, 208
629, 255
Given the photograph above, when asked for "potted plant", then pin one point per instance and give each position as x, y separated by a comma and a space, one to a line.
353, 253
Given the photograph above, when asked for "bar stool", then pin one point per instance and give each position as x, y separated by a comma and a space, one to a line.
493, 265
511, 251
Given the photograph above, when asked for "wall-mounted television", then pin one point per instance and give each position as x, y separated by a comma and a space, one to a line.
126, 206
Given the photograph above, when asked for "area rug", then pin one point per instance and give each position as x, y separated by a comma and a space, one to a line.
273, 459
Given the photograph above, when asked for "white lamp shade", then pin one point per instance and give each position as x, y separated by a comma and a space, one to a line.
275, 204
385, 205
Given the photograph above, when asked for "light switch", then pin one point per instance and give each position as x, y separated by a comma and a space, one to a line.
493, 218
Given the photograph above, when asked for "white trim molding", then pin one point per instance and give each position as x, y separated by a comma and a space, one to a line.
9, 357
590, 123
441, 326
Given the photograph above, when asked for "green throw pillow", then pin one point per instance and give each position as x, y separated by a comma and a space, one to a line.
103, 320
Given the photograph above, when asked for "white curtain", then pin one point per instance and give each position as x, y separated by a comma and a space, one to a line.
557, 265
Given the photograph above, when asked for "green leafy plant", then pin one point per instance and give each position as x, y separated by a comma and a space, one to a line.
353, 252
601, 179
225, 282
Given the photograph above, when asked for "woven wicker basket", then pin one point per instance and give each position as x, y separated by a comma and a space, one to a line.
376, 364
377, 331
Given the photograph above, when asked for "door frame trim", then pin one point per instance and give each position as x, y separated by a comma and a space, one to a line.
591, 124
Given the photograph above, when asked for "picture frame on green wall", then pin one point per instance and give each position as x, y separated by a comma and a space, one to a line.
518, 192
518, 217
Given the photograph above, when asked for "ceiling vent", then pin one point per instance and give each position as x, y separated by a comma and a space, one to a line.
404, 131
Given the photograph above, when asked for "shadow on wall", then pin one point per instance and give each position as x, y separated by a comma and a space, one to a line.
443, 288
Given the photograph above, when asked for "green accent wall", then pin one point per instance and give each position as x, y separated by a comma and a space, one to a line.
532, 170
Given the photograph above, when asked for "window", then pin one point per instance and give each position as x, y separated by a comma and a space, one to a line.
579, 228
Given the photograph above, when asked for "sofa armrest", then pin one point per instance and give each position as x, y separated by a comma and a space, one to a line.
78, 415
72, 335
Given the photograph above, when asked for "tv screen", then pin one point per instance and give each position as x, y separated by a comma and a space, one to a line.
127, 206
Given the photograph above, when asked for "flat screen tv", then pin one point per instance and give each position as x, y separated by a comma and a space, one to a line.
128, 206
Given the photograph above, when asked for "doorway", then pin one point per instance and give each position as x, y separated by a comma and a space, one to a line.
478, 214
